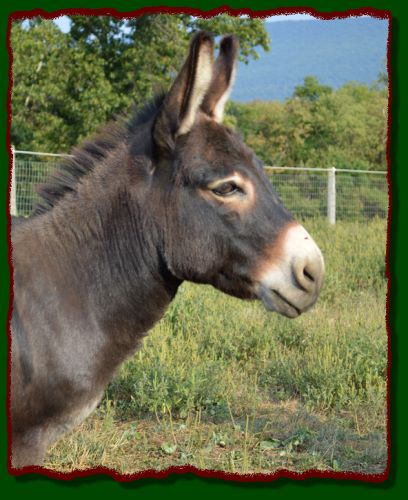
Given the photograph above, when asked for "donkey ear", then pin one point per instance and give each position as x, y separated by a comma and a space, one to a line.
223, 79
182, 103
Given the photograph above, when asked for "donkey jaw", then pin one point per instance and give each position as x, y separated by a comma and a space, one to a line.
291, 279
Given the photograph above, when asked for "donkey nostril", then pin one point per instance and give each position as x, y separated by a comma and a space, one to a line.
308, 275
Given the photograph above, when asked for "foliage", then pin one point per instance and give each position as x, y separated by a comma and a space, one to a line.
142, 54
65, 85
60, 92
318, 127
311, 90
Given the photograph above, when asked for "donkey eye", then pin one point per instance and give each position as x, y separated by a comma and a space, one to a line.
226, 189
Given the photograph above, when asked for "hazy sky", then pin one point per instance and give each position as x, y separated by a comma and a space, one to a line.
290, 17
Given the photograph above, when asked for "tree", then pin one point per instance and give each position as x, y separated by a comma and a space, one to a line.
345, 128
311, 90
141, 55
60, 92
66, 85
382, 81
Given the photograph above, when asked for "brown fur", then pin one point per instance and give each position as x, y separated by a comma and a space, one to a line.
120, 227
273, 254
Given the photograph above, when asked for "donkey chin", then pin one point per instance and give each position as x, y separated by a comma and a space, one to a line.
291, 277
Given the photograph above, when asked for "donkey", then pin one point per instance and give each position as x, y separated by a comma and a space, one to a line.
167, 196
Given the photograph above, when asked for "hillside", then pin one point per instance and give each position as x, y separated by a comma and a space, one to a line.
335, 51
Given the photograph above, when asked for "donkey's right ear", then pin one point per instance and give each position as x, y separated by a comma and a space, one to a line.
223, 79
182, 103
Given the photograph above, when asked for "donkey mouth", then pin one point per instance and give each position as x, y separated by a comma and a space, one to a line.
289, 281
276, 302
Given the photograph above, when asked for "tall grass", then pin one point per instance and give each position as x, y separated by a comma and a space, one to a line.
212, 351
222, 383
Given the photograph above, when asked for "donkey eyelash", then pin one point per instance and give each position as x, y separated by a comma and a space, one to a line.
227, 189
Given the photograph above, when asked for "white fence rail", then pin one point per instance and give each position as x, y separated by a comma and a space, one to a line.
338, 194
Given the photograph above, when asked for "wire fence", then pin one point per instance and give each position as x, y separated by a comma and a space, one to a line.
333, 193
337, 194
28, 176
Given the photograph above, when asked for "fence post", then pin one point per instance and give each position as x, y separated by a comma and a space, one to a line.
331, 196
13, 196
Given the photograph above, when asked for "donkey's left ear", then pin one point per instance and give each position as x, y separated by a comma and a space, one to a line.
223, 79
182, 104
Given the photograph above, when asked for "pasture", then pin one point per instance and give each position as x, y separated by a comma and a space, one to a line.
222, 384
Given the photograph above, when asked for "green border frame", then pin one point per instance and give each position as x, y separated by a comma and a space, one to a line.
186, 485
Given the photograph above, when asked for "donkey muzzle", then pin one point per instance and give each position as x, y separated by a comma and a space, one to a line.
292, 276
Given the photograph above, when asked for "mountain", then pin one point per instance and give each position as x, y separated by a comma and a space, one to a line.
335, 51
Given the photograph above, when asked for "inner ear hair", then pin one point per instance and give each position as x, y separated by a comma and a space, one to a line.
183, 101
200, 73
223, 79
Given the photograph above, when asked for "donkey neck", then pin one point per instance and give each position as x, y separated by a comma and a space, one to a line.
109, 250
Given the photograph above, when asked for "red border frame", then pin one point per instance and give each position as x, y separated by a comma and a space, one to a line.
151, 473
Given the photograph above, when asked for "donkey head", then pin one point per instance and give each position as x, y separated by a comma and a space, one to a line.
222, 222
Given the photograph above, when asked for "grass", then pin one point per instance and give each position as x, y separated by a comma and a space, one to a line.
222, 384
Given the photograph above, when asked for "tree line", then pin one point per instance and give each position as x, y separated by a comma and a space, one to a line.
319, 126
66, 85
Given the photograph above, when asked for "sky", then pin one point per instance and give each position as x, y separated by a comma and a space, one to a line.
63, 23
290, 17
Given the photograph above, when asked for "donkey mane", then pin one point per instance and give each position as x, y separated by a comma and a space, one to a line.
94, 151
